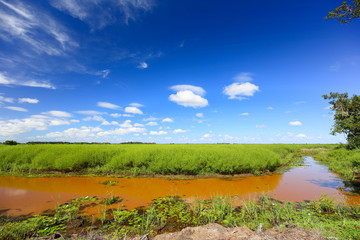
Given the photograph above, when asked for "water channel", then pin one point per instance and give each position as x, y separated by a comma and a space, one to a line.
27, 196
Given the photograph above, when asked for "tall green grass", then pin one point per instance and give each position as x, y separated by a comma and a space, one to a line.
342, 161
148, 159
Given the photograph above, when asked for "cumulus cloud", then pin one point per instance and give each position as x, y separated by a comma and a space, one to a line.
196, 90
59, 114
14, 127
152, 124
133, 110
295, 123
122, 131
176, 131
126, 124
83, 133
28, 100
158, 133
19, 109
169, 120
108, 105
138, 125
142, 65
300, 135
199, 115
207, 135
240, 90
188, 99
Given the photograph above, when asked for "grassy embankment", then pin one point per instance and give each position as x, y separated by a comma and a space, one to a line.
171, 214
149, 159
340, 160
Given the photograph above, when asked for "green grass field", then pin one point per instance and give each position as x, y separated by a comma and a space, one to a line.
142, 159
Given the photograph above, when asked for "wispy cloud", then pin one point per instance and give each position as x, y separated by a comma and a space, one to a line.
41, 32
169, 120
142, 65
176, 131
99, 13
28, 100
59, 114
108, 105
5, 99
19, 109
295, 123
7, 81
244, 114
243, 77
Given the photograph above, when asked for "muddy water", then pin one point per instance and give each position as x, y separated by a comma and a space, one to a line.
22, 196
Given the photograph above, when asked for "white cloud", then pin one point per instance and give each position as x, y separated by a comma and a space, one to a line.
115, 115
207, 135
169, 120
19, 109
176, 131
103, 73
150, 119
200, 115
99, 13
122, 131
295, 123
196, 90
138, 125
133, 110
126, 124
188, 99
39, 31
58, 122
83, 133
260, 126
5, 99
243, 77
59, 114
142, 65
108, 105
300, 135
4, 80
240, 90
136, 105
28, 100
158, 133
74, 120
244, 114
89, 112
127, 115
270, 108
152, 124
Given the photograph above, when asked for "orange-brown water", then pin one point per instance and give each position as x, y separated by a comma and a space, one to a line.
22, 196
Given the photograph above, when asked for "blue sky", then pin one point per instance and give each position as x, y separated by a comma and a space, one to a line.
173, 71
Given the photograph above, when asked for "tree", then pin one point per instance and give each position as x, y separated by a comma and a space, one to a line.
346, 116
10, 142
346, 12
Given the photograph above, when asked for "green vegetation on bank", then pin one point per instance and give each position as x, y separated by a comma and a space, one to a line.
341, 160
142, 159
172, 214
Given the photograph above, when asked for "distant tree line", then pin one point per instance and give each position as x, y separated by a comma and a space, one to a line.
12, 142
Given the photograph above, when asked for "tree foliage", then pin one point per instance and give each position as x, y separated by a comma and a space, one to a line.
10, 142
345, 13
346, 116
